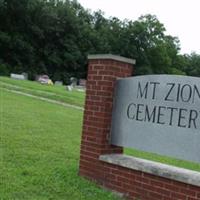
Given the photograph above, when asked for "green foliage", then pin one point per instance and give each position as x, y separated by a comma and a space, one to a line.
4, 69
193, 67
176, 71
54, 37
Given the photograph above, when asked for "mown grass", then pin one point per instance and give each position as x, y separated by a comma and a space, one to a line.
39, 151
63, 124
54, 92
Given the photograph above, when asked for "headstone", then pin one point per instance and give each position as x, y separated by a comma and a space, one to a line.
82, 82
18, 76
25, 75
58, 83
69, 88
73, 81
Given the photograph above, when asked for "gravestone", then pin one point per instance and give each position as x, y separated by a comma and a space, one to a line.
73, 81
58, 83
18, 76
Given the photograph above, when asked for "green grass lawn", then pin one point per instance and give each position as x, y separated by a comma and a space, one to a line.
54, 92
39, 151
40, 144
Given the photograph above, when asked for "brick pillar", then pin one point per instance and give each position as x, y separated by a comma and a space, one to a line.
103, 70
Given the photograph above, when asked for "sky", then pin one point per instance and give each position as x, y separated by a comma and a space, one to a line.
181, 18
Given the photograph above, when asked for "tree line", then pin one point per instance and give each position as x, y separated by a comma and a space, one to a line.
54, 37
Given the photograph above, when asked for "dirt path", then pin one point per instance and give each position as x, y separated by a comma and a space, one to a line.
44, 99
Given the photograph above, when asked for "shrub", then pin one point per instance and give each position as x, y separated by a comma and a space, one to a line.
4, 69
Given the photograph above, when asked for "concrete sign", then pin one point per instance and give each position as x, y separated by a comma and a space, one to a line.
159, 114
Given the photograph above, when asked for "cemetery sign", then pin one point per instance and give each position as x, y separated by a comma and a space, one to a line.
159, 114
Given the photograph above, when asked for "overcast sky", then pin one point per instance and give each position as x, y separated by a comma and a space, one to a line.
181, 18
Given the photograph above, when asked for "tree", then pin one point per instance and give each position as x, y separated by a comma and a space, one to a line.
193, 67
55, 36
153, 50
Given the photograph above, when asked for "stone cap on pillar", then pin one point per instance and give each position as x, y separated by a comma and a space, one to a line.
111, 57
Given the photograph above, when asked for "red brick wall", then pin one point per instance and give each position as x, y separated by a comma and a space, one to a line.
143, 186
102, 74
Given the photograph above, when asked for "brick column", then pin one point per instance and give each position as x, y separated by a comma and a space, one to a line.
103, 70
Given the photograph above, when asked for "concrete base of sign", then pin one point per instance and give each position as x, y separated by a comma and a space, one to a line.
158, 169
